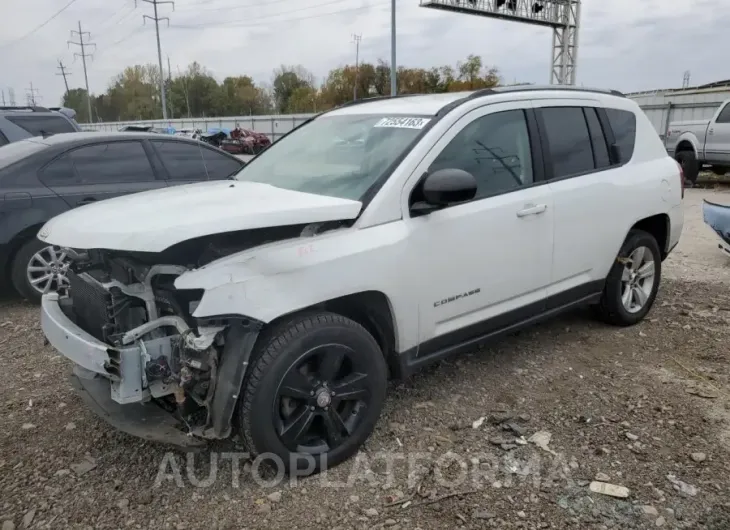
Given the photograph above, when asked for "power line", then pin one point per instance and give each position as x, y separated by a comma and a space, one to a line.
64, 73
83, 56
115, 13
248, 19
190, 7
157, 19
38, 27
233, 23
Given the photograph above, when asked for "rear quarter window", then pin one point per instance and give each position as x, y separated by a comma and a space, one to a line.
623, 125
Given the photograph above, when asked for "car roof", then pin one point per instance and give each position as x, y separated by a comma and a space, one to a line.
431, 104
89, 136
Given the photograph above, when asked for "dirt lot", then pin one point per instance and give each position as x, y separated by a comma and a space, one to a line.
646, 408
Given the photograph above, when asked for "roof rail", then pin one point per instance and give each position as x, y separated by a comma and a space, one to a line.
569, 88
26, 107
375, 98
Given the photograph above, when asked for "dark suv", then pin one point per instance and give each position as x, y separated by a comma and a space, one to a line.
19, 123
43, 177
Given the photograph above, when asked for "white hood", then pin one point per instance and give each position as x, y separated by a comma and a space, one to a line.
154, 220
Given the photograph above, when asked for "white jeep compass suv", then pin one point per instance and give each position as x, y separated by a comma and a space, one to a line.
374, 239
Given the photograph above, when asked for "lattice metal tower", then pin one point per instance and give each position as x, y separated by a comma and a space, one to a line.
563, 16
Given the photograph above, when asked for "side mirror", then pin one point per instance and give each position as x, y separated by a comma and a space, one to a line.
445, 187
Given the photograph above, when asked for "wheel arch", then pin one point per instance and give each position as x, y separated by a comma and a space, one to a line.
686, 144
372, 310
659, 227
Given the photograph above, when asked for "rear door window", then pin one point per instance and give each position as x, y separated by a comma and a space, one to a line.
623, 125
569, 140
42, 125
185, 161
724, 116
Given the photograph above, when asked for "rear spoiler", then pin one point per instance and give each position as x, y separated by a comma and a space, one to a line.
69, 113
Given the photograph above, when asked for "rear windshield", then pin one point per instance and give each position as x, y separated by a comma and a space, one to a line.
15, 151
42, 125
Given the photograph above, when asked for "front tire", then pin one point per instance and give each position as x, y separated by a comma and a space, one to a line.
633, 282
313, 393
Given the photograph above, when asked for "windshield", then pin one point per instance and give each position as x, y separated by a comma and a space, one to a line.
14, 151
339, 156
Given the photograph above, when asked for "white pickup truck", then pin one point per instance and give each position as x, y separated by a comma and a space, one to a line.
701, 142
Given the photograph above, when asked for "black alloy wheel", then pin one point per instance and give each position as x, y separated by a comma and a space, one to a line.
313, 393
322, 399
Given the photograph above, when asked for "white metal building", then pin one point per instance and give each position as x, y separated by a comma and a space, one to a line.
694, 103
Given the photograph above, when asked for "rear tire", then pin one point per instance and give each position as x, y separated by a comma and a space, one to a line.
28, 256
313, 393
633, 282
690, 165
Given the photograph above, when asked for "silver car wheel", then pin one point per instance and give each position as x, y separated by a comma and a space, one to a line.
637, 279
46, 270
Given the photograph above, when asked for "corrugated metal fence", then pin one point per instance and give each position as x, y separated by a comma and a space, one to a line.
661, 107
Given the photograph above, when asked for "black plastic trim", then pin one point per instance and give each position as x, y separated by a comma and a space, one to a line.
240, 342
466, 339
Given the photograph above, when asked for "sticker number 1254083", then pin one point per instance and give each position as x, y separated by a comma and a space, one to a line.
403, 123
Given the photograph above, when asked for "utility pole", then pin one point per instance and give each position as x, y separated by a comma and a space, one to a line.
157, 19
169, 84
83, 56
31, 95
357, 39
393, 84
63, 73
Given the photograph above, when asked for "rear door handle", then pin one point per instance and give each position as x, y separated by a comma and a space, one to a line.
532, 210
87, 200
711, 131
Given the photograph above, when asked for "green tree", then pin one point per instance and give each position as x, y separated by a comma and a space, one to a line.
75, 99
286, 80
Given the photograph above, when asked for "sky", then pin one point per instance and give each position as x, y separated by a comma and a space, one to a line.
628, 45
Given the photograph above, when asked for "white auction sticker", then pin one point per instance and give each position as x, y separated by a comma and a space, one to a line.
403, 123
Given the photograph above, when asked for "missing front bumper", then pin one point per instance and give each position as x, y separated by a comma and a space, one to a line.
147, 421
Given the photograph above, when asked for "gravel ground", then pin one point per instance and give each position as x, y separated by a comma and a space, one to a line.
508, 437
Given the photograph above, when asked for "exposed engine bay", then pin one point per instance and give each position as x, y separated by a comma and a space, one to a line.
157, 349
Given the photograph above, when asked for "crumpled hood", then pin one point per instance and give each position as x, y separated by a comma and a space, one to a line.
154, 220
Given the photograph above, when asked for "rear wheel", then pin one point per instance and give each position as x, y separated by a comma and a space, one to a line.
690, 165
313, 394
37, 269
632, 284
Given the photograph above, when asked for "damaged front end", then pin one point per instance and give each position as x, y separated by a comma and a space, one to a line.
142, 361
717, 217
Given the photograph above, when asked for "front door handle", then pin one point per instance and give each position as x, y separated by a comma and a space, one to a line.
532, 209
87, 200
